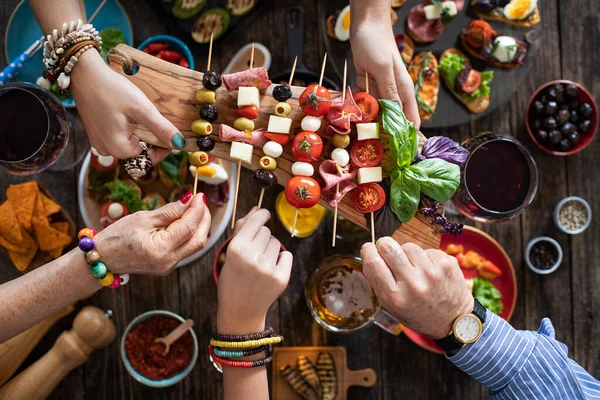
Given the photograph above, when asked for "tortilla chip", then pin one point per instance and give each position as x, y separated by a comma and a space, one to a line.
38, 207
48, 237
9, 224
27, 241
50, 206
11, 246
62, 227
22, 260
22, 200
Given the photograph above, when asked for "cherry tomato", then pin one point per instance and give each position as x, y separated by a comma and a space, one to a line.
302, 192
250, 112
472, 83
156, 47
307, 147
366, 153
183, 62
145, 50
105, 219
169, 55
368, 105
280, 138
368, 197
101, 168
315, 100
478, 33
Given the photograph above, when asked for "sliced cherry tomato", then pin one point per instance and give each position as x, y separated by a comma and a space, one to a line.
156, 47
368, 197
315, 100
280, 138
183, 62
307, 147
472, 83
368, 105
366, 153
250, 112
169, 55
105, 219
101, 168
478, 33
302, 192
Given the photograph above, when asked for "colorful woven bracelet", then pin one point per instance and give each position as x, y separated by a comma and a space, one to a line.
98, 269
239, 364
248, 344
240, 353
243, 338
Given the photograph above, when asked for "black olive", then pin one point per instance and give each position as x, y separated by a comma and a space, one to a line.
562, 116
574, 105
544, 99
586, 110
536, 124
564, 145
484, 6
211, 80
554, 137
585, 126
264, 178
205, 143
501, 3
563, 106
542, 135
559, 88
282, 92
567, 128
552, 94
551, 108
574, 138
550, 123
538, 107
571, 91
209, 112
574, 117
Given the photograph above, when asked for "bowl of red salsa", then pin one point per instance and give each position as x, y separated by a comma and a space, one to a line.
144, 359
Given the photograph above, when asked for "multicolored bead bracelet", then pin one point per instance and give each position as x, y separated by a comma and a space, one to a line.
241, 353
242, 338
240, 364
248, 344
98, 269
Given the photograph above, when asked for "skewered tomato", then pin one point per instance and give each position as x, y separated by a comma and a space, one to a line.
315, 100
478, 33
366, 153
250, 112
368, 197
307, 147
112, 211
368, 105
302, 192
103, 163
472, 82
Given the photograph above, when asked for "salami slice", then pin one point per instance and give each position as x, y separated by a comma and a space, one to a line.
331, 177
258, 77
340, 115
421, 28
255, 138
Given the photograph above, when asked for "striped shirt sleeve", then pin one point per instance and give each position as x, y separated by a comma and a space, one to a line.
524, 364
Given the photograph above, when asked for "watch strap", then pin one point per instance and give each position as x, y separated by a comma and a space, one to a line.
450, 343
479, 311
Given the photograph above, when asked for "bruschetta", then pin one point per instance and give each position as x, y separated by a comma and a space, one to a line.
423, 70
524, 13
426, 22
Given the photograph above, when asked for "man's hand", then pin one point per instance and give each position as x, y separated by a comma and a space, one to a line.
423, 289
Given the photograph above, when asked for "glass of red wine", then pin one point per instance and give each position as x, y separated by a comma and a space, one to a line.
499, 179
34, 128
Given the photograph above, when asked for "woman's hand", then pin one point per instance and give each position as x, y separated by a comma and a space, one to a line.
137, 244
110, 106
254, 276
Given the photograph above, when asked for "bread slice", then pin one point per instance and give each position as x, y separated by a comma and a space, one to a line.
331, 26
475, 106
534, 19
490, 60
398, 3
409, 49
429, 91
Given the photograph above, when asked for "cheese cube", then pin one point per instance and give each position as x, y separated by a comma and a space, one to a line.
371, 174
279, 124
367, 131
241, 151
434, 12
248, 96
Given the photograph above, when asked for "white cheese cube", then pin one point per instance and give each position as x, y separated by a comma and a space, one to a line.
367, 131
279, 124
434, 12
248, 96
241, 151
300, 168
371, 174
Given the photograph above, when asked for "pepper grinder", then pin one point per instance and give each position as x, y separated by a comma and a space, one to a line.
92, 329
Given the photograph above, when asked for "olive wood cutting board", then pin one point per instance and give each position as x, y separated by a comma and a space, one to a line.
172, 89
345, 377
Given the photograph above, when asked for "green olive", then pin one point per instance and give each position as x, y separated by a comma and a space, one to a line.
202, 127
268, 163
341, 141
205, 96
198, 158
282, 109
243, 124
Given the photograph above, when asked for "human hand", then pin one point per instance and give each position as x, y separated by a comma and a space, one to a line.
254, 276
111, 106
136, 244
374, 50
423, 289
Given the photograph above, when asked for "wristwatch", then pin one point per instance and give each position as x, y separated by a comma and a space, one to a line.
467, 328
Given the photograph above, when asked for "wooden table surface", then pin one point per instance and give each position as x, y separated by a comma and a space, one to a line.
570, 296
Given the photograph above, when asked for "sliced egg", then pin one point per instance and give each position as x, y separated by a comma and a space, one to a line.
342, 25
505, 49
211, 173
519, 9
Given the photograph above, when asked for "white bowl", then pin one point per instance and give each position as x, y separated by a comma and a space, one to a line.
558, 260
562, 203
221, 216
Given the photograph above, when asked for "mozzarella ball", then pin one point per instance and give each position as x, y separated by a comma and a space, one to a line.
115, 210
340, 156
310, 124
273, 149
302, 169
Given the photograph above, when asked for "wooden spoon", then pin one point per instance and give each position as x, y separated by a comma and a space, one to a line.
175, 334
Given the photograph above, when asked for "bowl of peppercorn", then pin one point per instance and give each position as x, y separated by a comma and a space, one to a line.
543, 255
562, 117
572, 215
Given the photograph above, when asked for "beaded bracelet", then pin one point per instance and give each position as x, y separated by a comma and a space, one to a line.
242, 338
240, 353
248, 344
240, 364
98, 269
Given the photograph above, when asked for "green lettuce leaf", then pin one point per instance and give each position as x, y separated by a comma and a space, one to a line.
403, 138
487, 295
405, 194
120, 191
451, 65
438, 179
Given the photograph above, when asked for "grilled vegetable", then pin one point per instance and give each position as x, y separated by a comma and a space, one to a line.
327, 375
298, 383
238, 8
309, 373
215, 20
184, 9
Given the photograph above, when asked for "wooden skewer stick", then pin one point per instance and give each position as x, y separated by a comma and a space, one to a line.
252, 57
337, 186
295, 220
372, 216
367, 81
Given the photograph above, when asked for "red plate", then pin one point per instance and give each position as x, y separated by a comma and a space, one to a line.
484, 244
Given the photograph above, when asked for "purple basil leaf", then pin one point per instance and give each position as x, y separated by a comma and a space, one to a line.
445, 149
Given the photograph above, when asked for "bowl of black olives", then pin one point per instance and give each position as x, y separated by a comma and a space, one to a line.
562, 117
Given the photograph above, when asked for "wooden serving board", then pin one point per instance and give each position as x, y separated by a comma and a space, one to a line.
172, 89
346, 377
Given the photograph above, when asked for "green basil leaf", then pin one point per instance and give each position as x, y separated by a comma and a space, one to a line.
405, 195
404, 141
439, 179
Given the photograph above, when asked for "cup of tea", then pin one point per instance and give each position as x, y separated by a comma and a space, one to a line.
499, 179
341, 300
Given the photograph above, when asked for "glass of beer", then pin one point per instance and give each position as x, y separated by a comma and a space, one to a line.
341, 300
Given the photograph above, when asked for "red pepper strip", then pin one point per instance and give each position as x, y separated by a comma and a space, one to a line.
169, 55
145, 50
156, 47
183, 62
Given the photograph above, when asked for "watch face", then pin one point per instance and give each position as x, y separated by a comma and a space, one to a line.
467, 329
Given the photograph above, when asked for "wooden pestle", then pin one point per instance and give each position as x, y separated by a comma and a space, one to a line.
92, 329
14, 351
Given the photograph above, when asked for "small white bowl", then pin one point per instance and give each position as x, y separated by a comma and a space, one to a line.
558, 260
557, 213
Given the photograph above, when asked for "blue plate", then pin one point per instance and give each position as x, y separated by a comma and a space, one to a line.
23, 29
